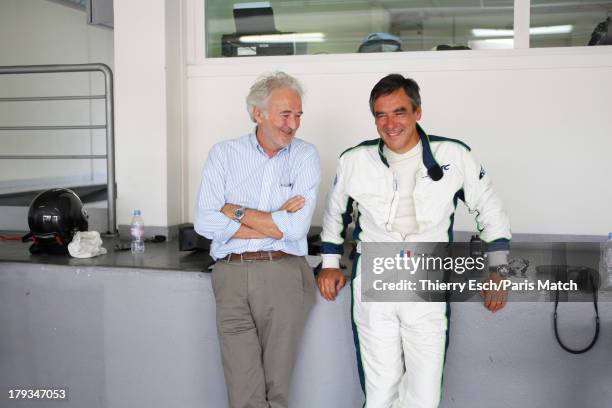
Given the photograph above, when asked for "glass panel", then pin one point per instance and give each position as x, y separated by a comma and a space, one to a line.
567, 23
290, 27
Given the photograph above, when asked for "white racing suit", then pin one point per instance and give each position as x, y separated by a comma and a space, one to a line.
401, 346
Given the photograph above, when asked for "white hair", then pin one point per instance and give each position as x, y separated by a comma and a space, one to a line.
259, 93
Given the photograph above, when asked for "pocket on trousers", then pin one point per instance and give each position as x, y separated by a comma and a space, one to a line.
308, 281
216, 278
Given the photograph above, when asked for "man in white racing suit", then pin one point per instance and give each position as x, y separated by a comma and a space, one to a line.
406, 185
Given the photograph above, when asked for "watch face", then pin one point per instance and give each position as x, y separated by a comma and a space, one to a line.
239, 213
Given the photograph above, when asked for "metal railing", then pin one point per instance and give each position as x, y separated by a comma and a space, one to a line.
109, 126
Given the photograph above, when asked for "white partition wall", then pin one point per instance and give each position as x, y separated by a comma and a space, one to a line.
539, 120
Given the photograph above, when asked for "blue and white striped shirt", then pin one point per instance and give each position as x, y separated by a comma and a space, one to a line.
238, 171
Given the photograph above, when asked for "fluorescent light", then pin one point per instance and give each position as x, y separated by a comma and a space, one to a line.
491, 32
560, 29
283, 38
492, 44
259, 4
506, 41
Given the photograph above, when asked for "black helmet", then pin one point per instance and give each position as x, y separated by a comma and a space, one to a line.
54, 217
380, 42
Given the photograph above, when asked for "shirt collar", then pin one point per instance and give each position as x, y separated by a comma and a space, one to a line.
255, 144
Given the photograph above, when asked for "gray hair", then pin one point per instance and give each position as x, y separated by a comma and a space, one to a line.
259, 93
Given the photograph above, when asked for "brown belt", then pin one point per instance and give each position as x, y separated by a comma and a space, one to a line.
255, 256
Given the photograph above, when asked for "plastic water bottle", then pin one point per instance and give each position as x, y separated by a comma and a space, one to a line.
137, 233
607, 261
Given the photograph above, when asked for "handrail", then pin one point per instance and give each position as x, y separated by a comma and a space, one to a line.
109, 125
58, 156
51, 98
66, 127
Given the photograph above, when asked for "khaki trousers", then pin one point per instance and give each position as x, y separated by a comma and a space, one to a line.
262, 307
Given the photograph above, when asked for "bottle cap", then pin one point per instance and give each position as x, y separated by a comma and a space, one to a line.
136, 212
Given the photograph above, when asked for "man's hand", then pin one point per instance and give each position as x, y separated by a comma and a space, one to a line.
330, 281
494, 300
293, 204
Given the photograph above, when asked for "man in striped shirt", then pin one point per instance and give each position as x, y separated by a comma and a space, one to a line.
255, 202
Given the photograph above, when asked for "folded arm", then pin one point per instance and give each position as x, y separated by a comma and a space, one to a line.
292, 220
208, 220
294, 225
245, 232
254, 222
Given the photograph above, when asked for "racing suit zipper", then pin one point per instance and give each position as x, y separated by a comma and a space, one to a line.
394, 204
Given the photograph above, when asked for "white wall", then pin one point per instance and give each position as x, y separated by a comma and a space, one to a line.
540, 121
175, 66
149, 92
36, 32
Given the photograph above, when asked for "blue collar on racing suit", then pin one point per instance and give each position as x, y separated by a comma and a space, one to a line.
433, 168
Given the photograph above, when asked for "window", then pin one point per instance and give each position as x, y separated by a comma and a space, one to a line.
291, 27
567, 23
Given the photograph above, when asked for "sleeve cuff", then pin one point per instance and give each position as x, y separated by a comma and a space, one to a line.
330, 248
498, 258
281, 219
228, 232
502, 244
331, 261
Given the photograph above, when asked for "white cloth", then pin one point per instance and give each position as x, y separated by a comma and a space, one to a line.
405, 167
86, 244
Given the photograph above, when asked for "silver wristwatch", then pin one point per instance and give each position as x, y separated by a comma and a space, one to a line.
239, 213
501, 270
